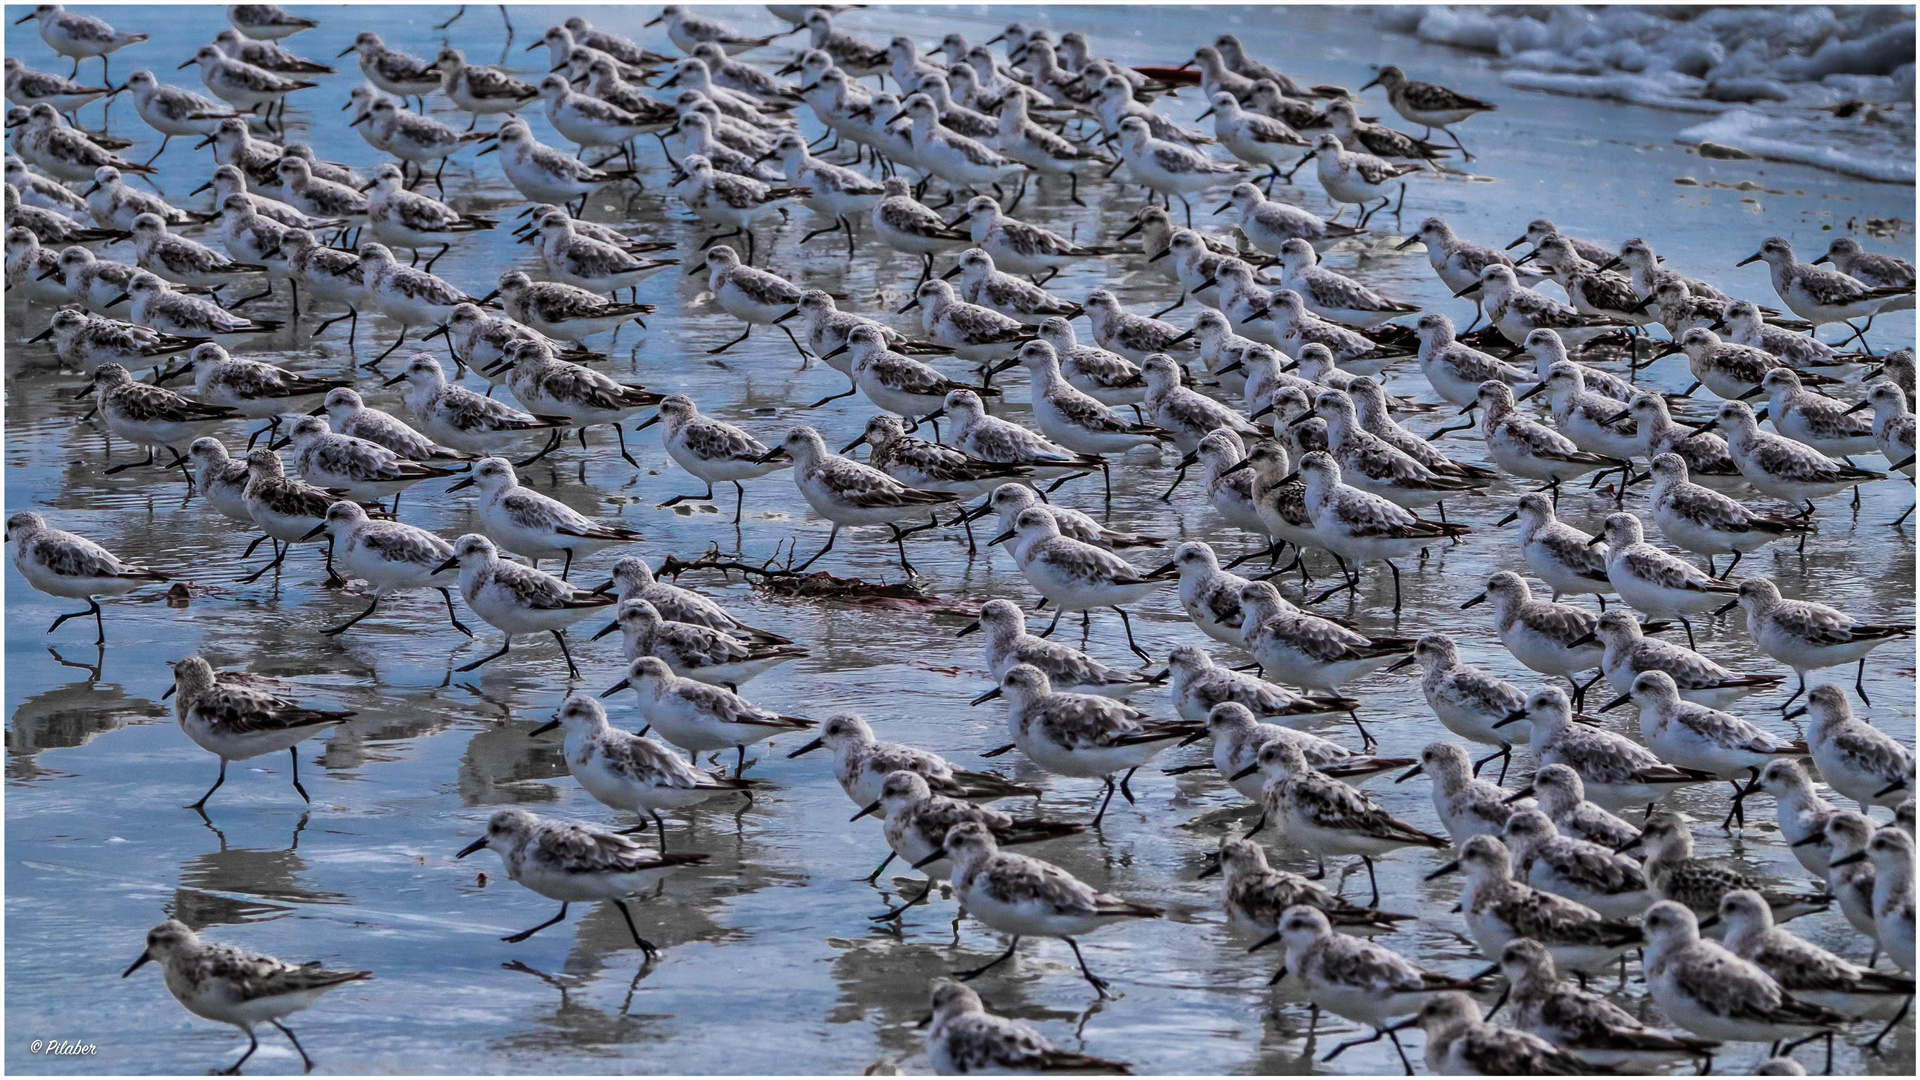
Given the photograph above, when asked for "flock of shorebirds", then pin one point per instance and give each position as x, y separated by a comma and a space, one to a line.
1272, 391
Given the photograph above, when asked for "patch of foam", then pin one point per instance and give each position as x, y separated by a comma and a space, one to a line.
1830, 144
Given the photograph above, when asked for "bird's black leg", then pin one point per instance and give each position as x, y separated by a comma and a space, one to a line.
216, 787
451, 617
645, 945
253, 1041
342, 628
504, 645
1099, 984
288, 1032
560, 637
525, 934
974, 973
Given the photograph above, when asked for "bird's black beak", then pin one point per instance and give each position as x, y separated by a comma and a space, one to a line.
986, 697
1755, 257
1480, 599
1523, 793
1400, 663
471, 848
1002, 538
1536, 388
543, 729
1844, 860
458, 484
623, 684
1513, 717
871, 808
448, 565
1616, 703
1409, 774
810, 748
1444, 870
972, 627
313, 532
938, 854
1244, 773
1475, 287
144, 955
605, 630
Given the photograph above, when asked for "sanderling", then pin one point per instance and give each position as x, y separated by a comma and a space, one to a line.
915, 822
1547, 349
1807, 636
1087, 736
1565, 558
1587, 1025
1582, 414
1253, 137
88, 341
1456, 262
985, 285
1695, 736
115, 205
230, 985
1590, 290
456, 416
1351, 978
575, 864
27, 87
387, 555
963, 1038
524, 521
1654, 581
1008, 500
1614, 770
1579, 870
1782, 467
1813, 418
1456, 371
1022, 896
1170, 168
1801, 814
1803, 969
1356, 178
1156, 231
1851, 881
1855, 758
973, 332
400, 217
1073, 574
1893, 427
1822, 296
390, 69
1187, 415
1199, 686
1076, 420
1462, 1043
79, 37
693, 650
542, 173
243, 85
952, 156
250, 388
755, 297
1374, 465
1708, 460
1326, 816
1744, 325
1541, 635
222, 479
1468, 700
627, 772
687, 30
1135, 337
238, 717
99, 283
63, 152
905, 224
286, 511
1701, 520
1360, 527
847, 493
181, 260
1527, 448
1891, 851
550, 386
855, 56
699, 716
991, 438
1210, 595
148, 416
418, 139
633, 579
1021, 247
480, 90
862, 765
897, 382
1334, 296
481, 341
1268, 223
1305, 650
1497, 909
67, 565
1562, 796
1517, 310
267, 22
1713, 993
1238, 739
714, 451
1727, 369
347, 414
44, 191
409, 296
563, 311
1039, 148
1466, 807
1229, 491
1107, 377
1256, 895
1068, 670
358, 468
834, 189
517, 599
1873, 270
1697, 679
1697, 884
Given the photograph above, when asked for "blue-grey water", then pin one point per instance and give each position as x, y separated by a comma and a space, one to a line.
770, 963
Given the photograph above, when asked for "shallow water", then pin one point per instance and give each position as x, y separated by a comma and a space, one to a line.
770, 938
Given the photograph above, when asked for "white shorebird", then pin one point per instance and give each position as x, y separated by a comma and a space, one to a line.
1353, 978
1565, 558
1527, 448
1822, 296
1460, 1042
1455, 371
1614, 770
561, 311
1516, 310
1072, 574
1360, 527
357, 468
392, 70
633, 579
1562, 796
148, 416
1808, 636
1305, 650
963, 1038
1171, 168
694, 650
627, 772
982, 283
1258, 895
862, 765
1074, 419
1654, 581
897, 382
456, 416
1021, 247
1805, 970
64, 564
1701, 520
1807, 416
542, 173
255, 390
243, 85
1466, 807
1851, 881
387, 555
1711, 992
238, 717
1024, 897
700, 717
575, 864
550, 386
1587, 1025
1697, 679
1695, 736
713, 451
526, 522
991, 438
1468, 700
1699, 884
517, 599
1891, 852
1709, 461
1802, 816
847, 493
1855, 758
284, 510
230, 985
1571, 867
1356, 178
1200, 686
1498, 909
79, 37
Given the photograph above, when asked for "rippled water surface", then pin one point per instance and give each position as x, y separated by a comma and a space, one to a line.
771, 964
